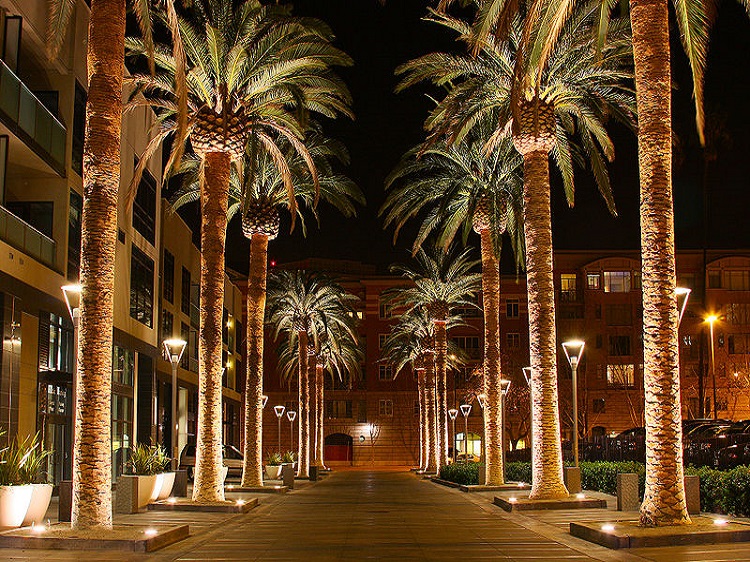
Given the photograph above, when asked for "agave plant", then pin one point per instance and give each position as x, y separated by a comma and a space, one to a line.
22, 461
146, 460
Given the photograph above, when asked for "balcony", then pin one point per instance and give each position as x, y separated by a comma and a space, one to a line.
28, 119
26, 238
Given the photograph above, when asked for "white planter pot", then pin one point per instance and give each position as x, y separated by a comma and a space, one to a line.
40, 497
163, 486
146, 488
14, 503
224, 472
273, 472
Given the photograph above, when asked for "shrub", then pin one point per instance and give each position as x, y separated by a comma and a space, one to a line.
289, 457
22, 461
147, 460
466, 474
273, 459
518, 472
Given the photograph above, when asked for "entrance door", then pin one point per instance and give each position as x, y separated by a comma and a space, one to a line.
338, 448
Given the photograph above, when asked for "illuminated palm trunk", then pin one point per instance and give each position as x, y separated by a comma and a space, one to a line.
493, 441
319, 410
209, 485
92, 450
252, 466
303, 460
441, 355
431, 426
534, 140
664, 501
424, 453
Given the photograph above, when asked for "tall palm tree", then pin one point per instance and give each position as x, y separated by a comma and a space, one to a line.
92, 473
442, 281
542, 108
259, 190
462, 188
253, 72
306, 307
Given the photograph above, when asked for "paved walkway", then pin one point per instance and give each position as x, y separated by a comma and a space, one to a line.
382, 515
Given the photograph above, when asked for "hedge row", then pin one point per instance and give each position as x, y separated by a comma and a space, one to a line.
721, 491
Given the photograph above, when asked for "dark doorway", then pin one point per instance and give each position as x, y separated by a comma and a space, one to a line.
338, 448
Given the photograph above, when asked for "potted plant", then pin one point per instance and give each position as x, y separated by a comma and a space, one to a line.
273, 466
289, 457
150, 464
23, 498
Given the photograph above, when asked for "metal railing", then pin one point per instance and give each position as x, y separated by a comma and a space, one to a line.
26, 238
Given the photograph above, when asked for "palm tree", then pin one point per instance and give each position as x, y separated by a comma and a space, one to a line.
542, 108
257, 192
253, 72
441, 282
307, 306
462, 188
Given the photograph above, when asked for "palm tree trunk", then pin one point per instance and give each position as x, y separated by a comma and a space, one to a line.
441, 353
664, 501
547, 452
493, 440
431, 427
92, 472
208, 486
319, 390
252, 466
303, 457
423, 446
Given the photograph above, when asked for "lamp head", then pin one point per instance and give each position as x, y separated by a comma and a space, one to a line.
279, 410
711, 319
573, 351
465, 409
173, 349
504, 386
264, 400
452, 413
527, 375
72, 295
682, 294
482, 399
291, 415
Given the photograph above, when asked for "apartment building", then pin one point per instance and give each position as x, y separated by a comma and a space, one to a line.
598, 299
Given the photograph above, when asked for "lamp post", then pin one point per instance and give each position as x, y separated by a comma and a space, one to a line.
264, 400
711, 321
504, 389
291, 415
527, 377
279, 412
466, 410
72, 295
173, 350
574, 351
452, 413
682, 294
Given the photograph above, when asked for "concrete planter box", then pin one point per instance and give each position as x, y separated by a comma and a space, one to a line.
14, 504
163, 486
40, 497
273, 472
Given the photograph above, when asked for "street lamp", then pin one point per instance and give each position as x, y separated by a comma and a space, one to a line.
683, 296
711, 321
72, 295
504, 389
279, 413
452, 413
173, 350
466, 410
527, 377
264, 400
574, 351
291, 415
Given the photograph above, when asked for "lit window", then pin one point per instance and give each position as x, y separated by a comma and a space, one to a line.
621, 375
593, 281
736, 280
616, 281
568, 287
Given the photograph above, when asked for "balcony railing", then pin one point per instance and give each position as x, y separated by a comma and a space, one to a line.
28, 118
26, 238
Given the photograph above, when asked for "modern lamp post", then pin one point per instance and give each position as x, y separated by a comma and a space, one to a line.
574, 351
527, 377
683, 296
452, 414
173, 350
264, 399
504, 389
279, 413
711, 321
72, 294
466, 410
291, 415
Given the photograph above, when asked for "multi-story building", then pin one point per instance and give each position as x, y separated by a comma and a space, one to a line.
42, 121
598, 299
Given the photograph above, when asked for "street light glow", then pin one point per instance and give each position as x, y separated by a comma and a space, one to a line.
573, 350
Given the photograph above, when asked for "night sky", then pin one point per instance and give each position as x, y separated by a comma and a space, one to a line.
379, 38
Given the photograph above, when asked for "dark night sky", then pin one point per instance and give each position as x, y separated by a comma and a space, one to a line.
381, 37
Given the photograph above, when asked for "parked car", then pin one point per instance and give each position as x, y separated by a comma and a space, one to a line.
461, 457
734, 451
232, 460
703, 442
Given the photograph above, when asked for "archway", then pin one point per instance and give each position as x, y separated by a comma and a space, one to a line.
338, 448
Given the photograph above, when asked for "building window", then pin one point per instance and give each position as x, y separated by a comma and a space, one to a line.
385, 372
568, 287
737, 314
616, 281
385, 309
619, 345
469, 311
60, 353
599, 406
512, 308
168, 285
737, 344
225, 327
737, 280
593, 281
598, 341
621, 375
239, 336
619, 314
79, 129
385, 408
74, 236
141, 287
338, 409
167, 325
185, 336
123, 366
381, 340
144, 206
469, 344
185, 292
513, 340
714, 279
686, 280
39, 214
